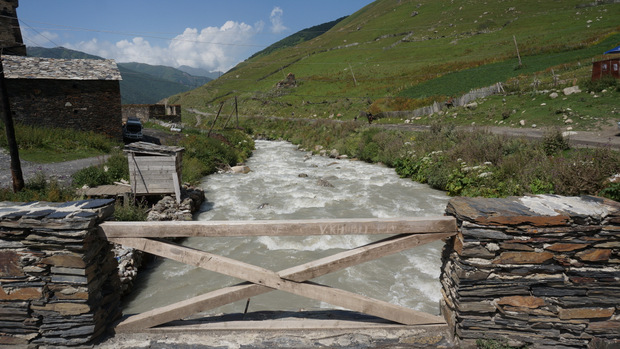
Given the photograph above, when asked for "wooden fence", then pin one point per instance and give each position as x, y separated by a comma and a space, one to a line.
404, 233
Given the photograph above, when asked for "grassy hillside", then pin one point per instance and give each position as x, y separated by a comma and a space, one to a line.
400, 55
299, 37
142, 83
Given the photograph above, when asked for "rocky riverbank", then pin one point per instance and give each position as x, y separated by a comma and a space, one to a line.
167, 209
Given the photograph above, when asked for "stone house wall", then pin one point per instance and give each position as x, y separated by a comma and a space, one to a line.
85, 105
144, 112
542, 271
10, 34
59, 284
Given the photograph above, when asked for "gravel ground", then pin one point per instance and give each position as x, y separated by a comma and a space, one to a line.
60, 170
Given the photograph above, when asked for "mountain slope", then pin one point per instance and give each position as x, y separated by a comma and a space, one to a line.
386, 55
168, 74
142, 83
299, 37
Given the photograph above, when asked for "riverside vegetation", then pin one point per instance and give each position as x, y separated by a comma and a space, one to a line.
463, 163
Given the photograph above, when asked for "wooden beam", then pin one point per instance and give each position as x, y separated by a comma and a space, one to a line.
414, 225
358, 255
303, 272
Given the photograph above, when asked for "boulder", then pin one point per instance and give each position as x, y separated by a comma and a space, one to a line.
323, 183
472, 105
570, 90
240, 169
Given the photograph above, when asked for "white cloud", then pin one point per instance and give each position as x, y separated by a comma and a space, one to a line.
42, 39
212, 48
277, 26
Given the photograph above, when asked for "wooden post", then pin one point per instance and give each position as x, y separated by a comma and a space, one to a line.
229, 117
517, 46
16, 167
214, 121
237, 111
354, 80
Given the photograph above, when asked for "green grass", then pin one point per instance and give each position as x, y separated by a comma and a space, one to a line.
48, 145
582, 111
459, 83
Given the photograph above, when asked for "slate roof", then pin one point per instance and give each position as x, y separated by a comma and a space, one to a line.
21, 67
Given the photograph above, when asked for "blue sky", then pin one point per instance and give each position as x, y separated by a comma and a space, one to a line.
213, 35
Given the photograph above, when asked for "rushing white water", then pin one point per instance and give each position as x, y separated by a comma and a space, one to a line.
284, 184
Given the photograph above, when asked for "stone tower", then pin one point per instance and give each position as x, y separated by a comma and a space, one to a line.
11, 41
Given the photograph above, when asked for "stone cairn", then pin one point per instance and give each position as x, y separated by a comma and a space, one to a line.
543, 271
58, 279
167, 209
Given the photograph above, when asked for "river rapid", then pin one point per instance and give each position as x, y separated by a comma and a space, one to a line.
285, 184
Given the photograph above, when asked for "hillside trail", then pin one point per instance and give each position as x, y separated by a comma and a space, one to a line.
607, 137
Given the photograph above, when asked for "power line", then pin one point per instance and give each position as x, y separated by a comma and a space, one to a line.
36, 31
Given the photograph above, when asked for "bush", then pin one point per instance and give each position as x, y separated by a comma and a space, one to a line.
131, 211
39, 188
193, 170
607, 82
113, 170
612, 191
554, 142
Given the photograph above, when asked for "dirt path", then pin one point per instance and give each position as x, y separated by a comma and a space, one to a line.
59, 170
608, 136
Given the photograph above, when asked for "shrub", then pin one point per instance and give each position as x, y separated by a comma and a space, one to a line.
193, 170
131, 211
91, 176
612, 191
606, 82
554, 142
39, 188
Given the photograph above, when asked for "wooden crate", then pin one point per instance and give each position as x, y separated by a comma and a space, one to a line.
154, 169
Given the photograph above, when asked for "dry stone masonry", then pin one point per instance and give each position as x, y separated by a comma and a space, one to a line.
58, 279
541, 270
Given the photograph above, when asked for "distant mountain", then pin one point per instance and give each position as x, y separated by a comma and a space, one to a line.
200, 72
167, 73
142, 83
58, 52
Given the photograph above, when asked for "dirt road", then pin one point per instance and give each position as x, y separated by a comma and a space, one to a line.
608, 136
59, 170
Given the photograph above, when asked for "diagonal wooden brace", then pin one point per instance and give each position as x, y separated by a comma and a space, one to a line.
290, 280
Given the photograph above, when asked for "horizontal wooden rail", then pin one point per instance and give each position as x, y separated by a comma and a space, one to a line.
351, 226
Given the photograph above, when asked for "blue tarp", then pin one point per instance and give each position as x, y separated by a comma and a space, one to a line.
613, 50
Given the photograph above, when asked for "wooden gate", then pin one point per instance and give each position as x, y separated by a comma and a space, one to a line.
405, 233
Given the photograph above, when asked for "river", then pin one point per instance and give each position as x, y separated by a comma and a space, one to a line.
284, 184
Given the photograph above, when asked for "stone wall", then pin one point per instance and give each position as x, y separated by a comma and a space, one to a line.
10, 34
85, 105
58, 279
145, 112
542, 271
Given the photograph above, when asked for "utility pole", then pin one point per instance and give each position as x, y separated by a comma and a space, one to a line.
16, 167
517, 46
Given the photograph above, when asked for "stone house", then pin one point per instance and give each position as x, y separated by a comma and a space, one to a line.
81, 94
145, 112
10, 33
